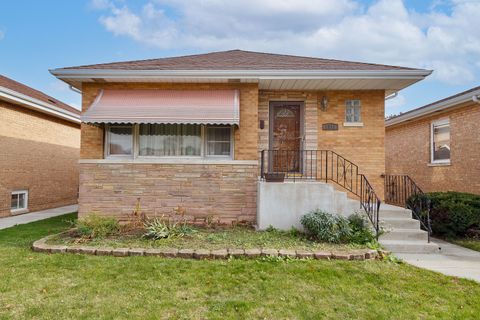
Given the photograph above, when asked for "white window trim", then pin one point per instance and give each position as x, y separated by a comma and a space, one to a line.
136, 146
358, 123
432, 126
204, 137
25, 208
107, 141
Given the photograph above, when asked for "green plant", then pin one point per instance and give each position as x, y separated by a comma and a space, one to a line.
361, 232
453, 214
95, 226
160, 228
324, 226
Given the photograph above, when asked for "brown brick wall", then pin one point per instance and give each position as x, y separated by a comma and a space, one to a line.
38, 153
408, 151
363, 146
245, 136
225, 192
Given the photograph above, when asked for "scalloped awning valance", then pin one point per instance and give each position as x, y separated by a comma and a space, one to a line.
165, 106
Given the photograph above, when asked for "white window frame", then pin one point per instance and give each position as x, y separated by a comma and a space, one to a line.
107, 141
205, 141
432, 148
358, 123
18, 192
136, 145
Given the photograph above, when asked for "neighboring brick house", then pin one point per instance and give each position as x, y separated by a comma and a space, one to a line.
437, 144
187, 132
39, 150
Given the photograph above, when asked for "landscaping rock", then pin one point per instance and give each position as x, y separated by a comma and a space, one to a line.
219, 254
201, 254
153, 252
58, 249
253, 253
371, 254
322, 255
74, 249
88, 250
40, 246
342, 256
302, 254
236, 253
269, 252
136, 252
104, 251
169, 252
287, 253
358, 256
120, 252
185, 253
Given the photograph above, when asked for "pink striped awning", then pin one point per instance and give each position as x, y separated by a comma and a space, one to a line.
165, 106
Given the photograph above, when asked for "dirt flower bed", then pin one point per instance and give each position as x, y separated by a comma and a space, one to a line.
240, 237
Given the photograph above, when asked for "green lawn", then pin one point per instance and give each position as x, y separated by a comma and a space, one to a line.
470, 243
239, 237
65, 286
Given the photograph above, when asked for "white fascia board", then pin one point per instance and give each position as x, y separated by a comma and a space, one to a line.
245, 74
436, 107
35, 104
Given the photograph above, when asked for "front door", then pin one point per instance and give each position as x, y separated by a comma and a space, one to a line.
285, 136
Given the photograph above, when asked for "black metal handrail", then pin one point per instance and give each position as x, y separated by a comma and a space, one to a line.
401, 190
323, 165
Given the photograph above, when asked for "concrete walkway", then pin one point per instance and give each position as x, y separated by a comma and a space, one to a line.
8, 222
453, 260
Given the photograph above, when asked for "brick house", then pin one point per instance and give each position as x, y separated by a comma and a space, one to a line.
39, 143
187, 133
437, 145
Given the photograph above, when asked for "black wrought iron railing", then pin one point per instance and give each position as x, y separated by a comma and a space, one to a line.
402, 191
322, 165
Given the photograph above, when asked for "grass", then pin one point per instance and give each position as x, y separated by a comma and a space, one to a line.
65, 286
239, 237
469, 243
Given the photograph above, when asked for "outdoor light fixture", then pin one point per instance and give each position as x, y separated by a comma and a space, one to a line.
324, 103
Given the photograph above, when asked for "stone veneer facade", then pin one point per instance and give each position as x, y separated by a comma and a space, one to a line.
227, 190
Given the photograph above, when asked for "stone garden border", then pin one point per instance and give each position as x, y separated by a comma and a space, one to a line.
42, 246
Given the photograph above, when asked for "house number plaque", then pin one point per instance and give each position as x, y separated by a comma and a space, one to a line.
329, 126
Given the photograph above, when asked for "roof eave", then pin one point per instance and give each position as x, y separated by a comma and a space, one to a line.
430, 109
38, 105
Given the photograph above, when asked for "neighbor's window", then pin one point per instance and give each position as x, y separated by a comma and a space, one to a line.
120, 140
440, 141
170, 140
352, 111
218, 141
19, 200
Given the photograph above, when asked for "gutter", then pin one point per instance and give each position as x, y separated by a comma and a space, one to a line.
246, 74
434, 107
38, 105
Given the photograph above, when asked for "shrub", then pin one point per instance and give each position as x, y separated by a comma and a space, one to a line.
453, 214
95, 226
326, 227
159, 229
361, 231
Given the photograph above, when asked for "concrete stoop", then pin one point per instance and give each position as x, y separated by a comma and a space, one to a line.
402, 233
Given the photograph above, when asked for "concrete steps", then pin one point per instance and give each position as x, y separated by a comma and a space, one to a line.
402, 233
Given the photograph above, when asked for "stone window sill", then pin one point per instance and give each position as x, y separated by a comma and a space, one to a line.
180, 161
439, 164
353, 124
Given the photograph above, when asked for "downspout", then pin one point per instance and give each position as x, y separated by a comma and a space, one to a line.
476, 99
74, 89
393, 95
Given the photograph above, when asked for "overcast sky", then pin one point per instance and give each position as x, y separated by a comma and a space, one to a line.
433, 34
